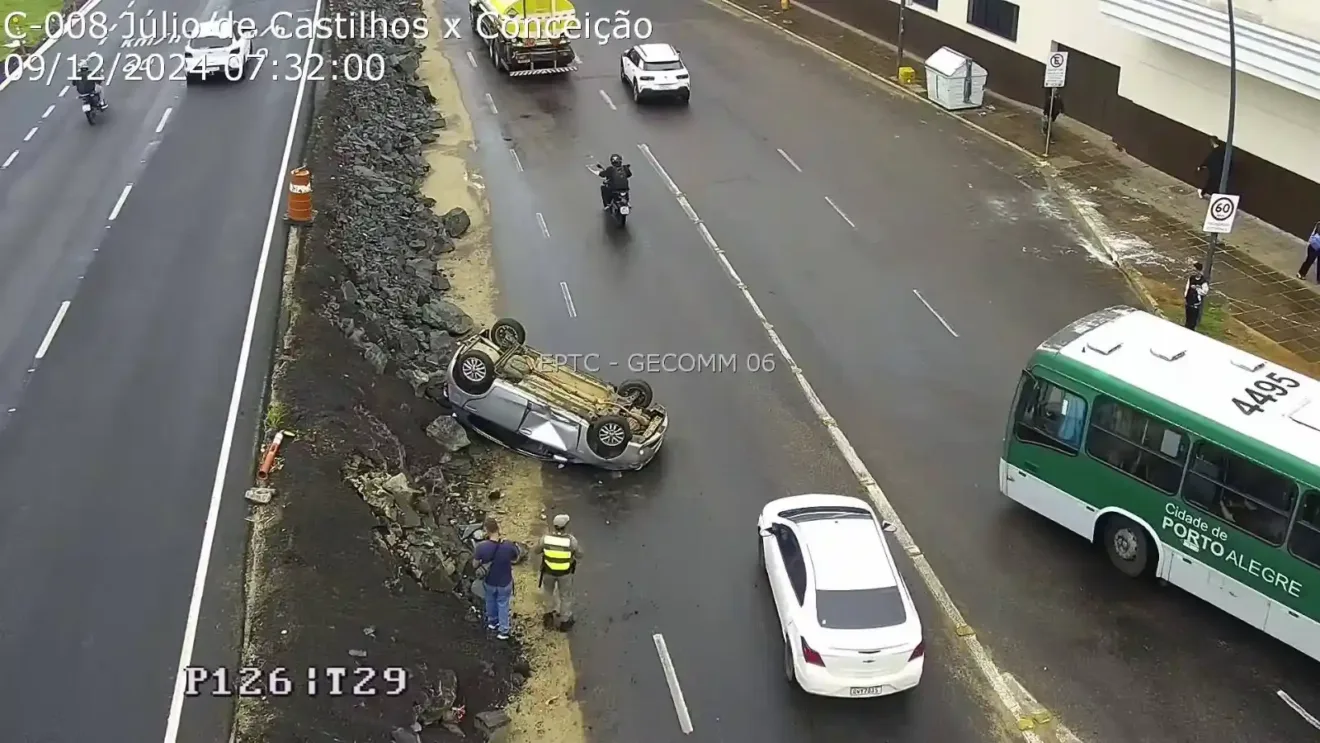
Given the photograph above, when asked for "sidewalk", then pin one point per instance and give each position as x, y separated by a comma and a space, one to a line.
1148, 223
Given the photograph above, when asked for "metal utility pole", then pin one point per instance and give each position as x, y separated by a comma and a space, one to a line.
902, 18
1212, 245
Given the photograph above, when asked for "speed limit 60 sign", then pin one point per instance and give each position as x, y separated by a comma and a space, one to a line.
1220, 214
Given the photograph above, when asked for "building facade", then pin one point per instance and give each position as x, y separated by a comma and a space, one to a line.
1153, 75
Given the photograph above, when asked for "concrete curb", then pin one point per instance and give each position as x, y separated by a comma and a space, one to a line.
1051, 175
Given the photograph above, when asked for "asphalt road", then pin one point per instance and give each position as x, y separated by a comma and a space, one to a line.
910, 268
108, 457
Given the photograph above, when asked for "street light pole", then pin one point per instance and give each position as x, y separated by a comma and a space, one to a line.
902, 18
1212, 245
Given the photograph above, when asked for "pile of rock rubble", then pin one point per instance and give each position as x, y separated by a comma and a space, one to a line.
387, 232
393, 309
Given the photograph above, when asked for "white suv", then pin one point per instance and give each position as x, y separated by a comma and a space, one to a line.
218, 50
655, 71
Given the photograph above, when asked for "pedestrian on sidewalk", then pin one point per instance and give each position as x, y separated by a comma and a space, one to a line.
494, 559
559, 552
1213, 167
1312, 254
1052, 109
1194, 296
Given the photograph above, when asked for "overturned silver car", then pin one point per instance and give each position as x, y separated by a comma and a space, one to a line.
524, 400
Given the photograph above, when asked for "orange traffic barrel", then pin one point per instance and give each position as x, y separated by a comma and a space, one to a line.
300, 196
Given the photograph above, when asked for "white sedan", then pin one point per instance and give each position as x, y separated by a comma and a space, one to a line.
849, 625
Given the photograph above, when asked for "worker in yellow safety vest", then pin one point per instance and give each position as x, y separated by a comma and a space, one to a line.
559, 552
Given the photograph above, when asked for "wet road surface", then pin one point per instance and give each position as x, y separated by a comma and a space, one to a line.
910, 269
129, 257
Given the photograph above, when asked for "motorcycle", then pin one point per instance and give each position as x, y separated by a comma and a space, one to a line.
619, 208
92, 106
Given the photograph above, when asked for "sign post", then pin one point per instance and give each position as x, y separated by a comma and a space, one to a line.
1056, 74
1221, 213
902, 13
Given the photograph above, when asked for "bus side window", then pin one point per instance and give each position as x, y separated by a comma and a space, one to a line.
1049, 416
1252, 498
1305, 539
1137, 444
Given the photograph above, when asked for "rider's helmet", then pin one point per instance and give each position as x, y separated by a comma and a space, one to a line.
616, 160
84, 70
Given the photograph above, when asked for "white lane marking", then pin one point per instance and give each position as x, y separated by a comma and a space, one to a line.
671, 678
49, 109
840, 211
123, 196
63, 90
131, 2
9, 160
31, 133
517, 162
608, 102
936, 314
688, 210
491, 102
231, 419
540, 219
50, 41
104, 39
568, 299
471, 59
790, 160
50, 332
975, 650
1295, 707
164, 118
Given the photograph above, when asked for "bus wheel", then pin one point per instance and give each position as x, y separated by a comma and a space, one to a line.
1127, 545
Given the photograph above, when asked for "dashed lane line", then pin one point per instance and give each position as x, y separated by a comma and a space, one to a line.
517, 162
471, 59
937, 315
490, 101
123, 196
31, 133
671, 679
1299, 709
568, 299
971, 644
164, 118
789, 160
48, 111
9, 160
540, 220
839, 211
608, 101
50, 332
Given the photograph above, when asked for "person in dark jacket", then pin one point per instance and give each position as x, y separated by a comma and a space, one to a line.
1194, 296
1213, 167
1052, 109
615, 179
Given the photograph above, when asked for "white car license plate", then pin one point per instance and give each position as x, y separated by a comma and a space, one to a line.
87, 107
867, 691
624, 210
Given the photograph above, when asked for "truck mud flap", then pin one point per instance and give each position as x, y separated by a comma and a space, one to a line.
543, 71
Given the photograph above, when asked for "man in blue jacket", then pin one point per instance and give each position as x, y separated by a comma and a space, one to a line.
495, 558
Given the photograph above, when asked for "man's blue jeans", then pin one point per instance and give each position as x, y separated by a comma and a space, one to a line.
497, 607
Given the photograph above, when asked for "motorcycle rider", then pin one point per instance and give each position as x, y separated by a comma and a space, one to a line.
615, 180
87, 86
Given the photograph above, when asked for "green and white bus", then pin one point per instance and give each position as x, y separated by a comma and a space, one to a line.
1185, 458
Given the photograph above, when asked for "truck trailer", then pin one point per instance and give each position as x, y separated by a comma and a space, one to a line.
527, 37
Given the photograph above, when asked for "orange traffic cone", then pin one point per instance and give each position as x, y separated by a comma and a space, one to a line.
300, 196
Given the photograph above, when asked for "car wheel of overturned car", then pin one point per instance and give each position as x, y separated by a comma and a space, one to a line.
637, 392
608, 436
474, 372
508, 333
